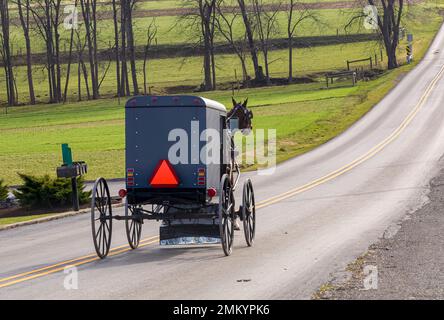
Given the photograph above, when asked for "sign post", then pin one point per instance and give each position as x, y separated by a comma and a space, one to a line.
409, 48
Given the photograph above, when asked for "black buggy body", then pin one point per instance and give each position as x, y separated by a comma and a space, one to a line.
181, 171
154, 125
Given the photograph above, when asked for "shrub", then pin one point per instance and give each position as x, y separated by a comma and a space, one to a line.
3, 191
47, 192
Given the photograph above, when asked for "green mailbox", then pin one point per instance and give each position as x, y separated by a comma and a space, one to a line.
71, 170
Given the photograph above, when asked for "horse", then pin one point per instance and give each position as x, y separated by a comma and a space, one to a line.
243, 115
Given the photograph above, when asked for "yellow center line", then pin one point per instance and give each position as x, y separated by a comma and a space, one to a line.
67, 262
346, 168
51, 271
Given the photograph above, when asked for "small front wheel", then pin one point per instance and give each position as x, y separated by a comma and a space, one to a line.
101, 217
133, 225
249, 212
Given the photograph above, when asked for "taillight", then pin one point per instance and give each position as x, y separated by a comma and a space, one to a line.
130, 177
122, 193
201, 177
211, 192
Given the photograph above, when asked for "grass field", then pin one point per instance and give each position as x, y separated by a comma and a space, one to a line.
171, 31
188, 72
304, 115
170, 72
12, 220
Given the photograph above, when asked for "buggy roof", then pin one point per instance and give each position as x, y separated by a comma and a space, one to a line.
174, 101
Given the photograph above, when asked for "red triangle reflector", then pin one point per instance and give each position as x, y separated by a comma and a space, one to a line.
164, 176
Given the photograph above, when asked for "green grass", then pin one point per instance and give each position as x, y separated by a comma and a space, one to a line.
6, 221
171, 31
170, 72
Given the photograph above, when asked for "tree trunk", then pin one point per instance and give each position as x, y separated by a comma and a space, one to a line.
132, 55
389, 27
68, 71
57, 53
116, 45
25, 26
257, 70
6, 54
89, 28
124, 73
290, 59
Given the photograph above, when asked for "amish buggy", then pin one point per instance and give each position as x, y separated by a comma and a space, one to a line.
181, 170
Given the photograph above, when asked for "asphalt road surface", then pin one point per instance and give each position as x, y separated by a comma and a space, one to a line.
316, 213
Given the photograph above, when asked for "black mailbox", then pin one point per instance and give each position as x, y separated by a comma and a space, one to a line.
76, 169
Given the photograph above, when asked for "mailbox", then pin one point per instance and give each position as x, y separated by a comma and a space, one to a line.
72, 170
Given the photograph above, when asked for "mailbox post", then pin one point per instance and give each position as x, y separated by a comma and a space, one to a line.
72, 170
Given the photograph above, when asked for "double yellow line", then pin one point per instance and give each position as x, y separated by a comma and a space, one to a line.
37, 273
373, 151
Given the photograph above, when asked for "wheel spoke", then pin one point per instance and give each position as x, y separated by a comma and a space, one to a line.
100, 228
105, 241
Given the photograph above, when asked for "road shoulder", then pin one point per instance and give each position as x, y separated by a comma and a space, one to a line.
407, 263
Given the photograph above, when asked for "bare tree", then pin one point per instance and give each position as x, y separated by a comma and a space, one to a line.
81, 68
225, 23
89, 13
6, 52
297, 12
388, 24
46, 15
259, 75
68, 71
25, 23
266, 27
124, 85
150, 37
201, 20
128, 10
116, 46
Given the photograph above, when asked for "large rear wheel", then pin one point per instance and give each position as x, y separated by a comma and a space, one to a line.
101, 217
226, 215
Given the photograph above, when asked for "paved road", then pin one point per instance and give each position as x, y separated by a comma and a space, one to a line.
319, 211
409, 262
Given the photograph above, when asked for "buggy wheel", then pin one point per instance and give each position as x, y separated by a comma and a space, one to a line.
101, 217
226, 215
133, 226
249, 212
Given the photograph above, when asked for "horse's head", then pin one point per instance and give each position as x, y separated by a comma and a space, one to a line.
245, 116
